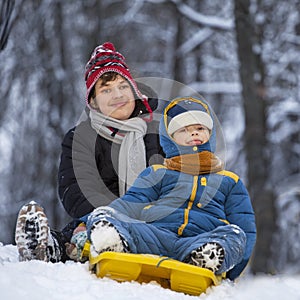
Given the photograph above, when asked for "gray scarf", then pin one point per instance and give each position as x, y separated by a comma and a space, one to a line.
132, 154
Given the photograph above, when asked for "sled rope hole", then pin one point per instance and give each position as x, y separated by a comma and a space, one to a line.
163, 259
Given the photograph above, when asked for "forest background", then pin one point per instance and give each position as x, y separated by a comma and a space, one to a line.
243, 56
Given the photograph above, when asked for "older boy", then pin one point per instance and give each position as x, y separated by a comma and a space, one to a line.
95, 166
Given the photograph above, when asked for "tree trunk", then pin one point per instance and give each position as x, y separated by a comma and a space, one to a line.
252, 79
6, 11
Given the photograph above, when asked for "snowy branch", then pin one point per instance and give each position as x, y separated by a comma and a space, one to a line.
198, 38
131, 13
210, 21
216, 87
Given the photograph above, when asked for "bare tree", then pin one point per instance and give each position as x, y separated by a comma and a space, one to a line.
6, 23
279, 26
6, 11
258, 160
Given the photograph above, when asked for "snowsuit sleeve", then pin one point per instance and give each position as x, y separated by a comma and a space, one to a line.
239, 211
146, 189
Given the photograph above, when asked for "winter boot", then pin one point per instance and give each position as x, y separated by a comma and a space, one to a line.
209, 256
33, 237
105, 237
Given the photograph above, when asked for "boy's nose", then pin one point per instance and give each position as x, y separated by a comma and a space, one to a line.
117, 93
195, 132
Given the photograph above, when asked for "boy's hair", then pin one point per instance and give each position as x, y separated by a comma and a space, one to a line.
110, 76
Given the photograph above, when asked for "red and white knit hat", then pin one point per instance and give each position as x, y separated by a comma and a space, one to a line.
105, 59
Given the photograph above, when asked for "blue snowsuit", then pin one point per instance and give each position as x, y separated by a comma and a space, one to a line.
171, 213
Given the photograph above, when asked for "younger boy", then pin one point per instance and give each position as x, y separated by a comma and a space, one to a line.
190, 208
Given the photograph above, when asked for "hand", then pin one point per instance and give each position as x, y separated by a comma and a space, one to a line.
78, 240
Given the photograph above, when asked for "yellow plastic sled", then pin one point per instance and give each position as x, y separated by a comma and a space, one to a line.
169, 273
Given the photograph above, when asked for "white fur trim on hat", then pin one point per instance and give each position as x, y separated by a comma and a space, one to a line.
190, 118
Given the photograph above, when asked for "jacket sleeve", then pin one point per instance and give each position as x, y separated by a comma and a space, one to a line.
239, 211
73, 200
80, 187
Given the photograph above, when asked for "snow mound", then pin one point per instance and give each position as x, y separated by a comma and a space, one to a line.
37, 280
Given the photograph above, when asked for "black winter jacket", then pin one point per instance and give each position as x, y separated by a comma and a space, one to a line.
87, 176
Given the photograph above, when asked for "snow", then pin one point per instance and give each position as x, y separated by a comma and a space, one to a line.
37, 280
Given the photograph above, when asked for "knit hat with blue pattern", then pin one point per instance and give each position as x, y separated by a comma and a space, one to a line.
188, 113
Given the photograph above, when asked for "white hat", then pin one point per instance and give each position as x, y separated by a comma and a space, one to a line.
190, 117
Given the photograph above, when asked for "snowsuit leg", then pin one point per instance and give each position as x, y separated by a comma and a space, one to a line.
146, 238
141, 237
231, 237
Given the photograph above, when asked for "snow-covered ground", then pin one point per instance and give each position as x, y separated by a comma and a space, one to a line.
37, 280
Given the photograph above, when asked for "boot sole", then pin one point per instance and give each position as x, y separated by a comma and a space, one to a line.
31, 233
209, 256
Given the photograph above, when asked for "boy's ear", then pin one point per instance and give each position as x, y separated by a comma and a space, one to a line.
93, 103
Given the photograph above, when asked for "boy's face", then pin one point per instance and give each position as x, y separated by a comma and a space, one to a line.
114, 99
191, 135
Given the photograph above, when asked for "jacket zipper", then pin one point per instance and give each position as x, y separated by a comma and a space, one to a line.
187, 210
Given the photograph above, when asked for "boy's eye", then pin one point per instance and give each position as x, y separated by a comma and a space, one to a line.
124, 86
182, 130
105, 91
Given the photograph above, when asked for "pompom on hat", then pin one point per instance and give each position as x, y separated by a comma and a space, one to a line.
105, 59
188, 113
